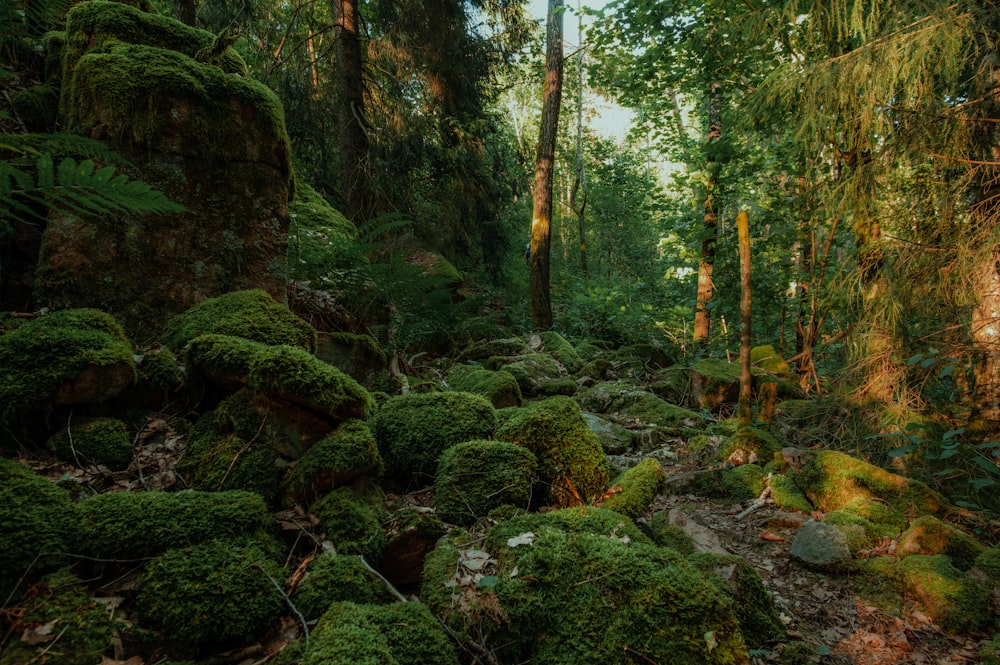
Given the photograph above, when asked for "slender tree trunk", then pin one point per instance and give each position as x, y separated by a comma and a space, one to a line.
745, 409
580, 206
352, 125
706, 264
541, 218
186, 11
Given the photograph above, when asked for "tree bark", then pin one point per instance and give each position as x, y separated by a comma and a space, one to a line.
745, 409
541, 218
352, 125
706, 264
186, 11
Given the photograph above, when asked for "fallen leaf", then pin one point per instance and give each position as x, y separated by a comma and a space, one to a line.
767, 535
526, 538
40, 634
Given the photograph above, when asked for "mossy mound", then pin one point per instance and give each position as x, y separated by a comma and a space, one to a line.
929, 535
581, 519
751, 444
555, 345
334, 578
638, 487
486, 349
477, 476
559, 596
38, 106
134, 525
499, 387
533, 372
948, 596
37, 526
769, 360
627, 400
68, 357
397, 634
220, 592
360, 356
251, 314
94, 441
669, 535
157, 368
348, 453
320, 238
720, 382
570, 460
413, 430
787, 495
86, 629
742, 483
353, 521
614, 438
754, 608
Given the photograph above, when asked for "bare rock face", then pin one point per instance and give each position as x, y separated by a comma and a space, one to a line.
172, 100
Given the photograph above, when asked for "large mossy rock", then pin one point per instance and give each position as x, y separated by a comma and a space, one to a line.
541, 592
571, 464
500, 387
336, 578
349, 454
477, 476
94, 441
413, 430
175, 102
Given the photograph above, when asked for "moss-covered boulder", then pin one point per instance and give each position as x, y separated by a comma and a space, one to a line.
536, 373
750, 445
174, 101
70, 357
635, 489
37, 527
353, 521
929, 535
85, 629
486, 349
94, 441
360, 356
634, 404
252, 314
397, 634
500, 387
334, 578
135, 525
413, 430
410, 532
475, 477
563, 596
320, 242
571, 464
553, 344
715, 383
787, 495
220, 593
348, 454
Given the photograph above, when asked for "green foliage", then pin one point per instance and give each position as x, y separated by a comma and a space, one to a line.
638, 487
352, 521
37, 525
413, 430
95, 441
219, 592
334, 578
133, 525
252, 315
475, 477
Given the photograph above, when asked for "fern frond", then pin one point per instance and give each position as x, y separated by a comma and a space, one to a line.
59, 145
382, 226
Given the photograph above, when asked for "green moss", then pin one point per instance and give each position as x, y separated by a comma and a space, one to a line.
37, 526
413, 430
157, 367
570, 459
94, 441
990, 652
477, 476
929, 535
562, 597
787, 495
320, 239
754, 608
127, 525
86, 629
861, 533
742, 483
397, 634
252, 315
332, 578
639, 486
630, 401
769, 360
80, 346
532, 372
219, 592
668, 535
339, 457
500, 387
353, 521
989, 563
582, 519
38, 107
752, 443
484, 350
556, 346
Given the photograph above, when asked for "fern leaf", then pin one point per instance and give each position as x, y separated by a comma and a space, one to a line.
60, 145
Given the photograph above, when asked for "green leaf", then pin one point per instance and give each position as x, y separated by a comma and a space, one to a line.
487, 582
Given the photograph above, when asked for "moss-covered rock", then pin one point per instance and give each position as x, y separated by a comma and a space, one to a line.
533, 372
751, 444
38, 107
333, 578
582, 519
320, 242
397, 634
134, 525
614, 438
929, 535
787, 495
570, 460
360, 356
411, 532
483, 350
347, 454
413, 430
759, 621
68, 357
94, 441
638, 487
353, 521
86, 629
718, 382
555, 345
628, 401
500, 387
37, 526
251, 314
157, 368
219, 592
560, 596
669, 535
741, 483
475, 477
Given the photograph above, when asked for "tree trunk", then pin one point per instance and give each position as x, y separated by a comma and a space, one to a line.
580, 207
352, 125
541, 218
745, 410
706, 264
186, 11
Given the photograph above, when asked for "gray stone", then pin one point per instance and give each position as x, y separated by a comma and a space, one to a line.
820, 545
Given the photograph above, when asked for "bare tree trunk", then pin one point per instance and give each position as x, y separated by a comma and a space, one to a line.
580, 207
706, 264
541, 218
745, 410
352, 124
186, 11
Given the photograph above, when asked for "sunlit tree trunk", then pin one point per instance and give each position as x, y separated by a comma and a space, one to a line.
578, 202
352, 125
745, 414
706, 263
541, 218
